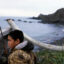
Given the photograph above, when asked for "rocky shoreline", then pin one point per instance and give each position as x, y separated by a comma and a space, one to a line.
57, 17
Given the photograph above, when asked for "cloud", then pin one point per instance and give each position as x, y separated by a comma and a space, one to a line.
15, 12
29, 7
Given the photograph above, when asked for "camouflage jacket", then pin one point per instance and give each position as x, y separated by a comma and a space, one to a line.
21, 57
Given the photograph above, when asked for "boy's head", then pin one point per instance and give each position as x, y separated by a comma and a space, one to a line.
14, 38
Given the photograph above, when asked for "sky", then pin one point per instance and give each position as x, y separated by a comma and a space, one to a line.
29, 7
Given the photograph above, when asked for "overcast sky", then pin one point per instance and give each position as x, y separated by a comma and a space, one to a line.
29, 7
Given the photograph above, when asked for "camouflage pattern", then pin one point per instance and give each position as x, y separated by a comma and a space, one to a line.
21, 57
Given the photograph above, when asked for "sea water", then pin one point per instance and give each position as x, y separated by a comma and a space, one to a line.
46, 33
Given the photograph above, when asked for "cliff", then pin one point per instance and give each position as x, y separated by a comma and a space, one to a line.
57, 17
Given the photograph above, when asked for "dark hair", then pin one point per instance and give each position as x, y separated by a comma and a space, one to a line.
17, 34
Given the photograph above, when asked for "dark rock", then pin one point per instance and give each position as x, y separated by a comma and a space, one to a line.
34, 18
57, 17
30, 22
9, 19
13, 20
25, 21
19, 19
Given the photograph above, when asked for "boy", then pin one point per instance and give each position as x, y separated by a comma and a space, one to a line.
21, 52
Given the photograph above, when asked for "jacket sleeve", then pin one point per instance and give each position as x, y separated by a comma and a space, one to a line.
19, 57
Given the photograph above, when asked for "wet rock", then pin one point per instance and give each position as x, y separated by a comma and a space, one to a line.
19, 20
9, 19
25, 21
30, 22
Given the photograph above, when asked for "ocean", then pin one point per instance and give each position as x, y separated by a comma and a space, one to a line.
46, 33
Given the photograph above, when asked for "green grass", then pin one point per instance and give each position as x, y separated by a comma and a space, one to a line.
50, 57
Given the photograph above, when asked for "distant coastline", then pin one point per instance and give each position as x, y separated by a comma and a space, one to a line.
57, 17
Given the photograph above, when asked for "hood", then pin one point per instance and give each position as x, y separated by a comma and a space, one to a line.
21, 45
26, 46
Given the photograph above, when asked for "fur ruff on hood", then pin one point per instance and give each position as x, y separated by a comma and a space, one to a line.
26, 46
